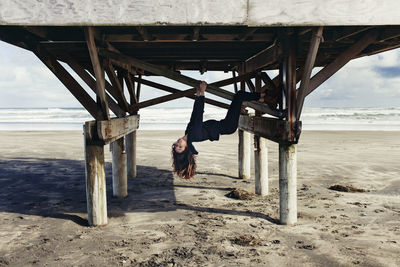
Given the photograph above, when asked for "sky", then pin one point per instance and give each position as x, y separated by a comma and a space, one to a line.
374, 81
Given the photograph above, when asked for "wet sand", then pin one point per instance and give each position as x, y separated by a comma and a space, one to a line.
166, 221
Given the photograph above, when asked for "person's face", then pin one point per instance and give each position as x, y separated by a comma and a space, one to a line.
180, 145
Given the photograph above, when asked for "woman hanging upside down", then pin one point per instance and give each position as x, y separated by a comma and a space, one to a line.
183, 151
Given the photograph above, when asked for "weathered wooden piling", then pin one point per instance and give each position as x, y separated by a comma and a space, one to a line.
261, 165
95, 182
130, 141
244, 154
119, 170
288, 183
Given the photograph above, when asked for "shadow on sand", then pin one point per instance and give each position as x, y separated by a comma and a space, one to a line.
56, 188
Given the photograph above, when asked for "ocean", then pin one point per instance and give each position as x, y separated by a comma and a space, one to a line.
330, 119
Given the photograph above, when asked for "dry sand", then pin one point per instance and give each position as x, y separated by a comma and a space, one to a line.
166, 221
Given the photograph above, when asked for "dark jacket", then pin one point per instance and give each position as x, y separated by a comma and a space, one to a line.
197, 130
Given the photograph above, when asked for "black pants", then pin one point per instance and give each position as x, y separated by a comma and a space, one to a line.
230, 123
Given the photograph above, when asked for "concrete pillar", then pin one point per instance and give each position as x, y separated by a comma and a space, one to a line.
130, 140
95, 184
288, 183
261, 165
119, 176
244, 154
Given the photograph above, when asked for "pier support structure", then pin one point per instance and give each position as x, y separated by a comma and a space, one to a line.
130, 142
119, 170
114, 52
97, 134
244, 154
261, 165
95, 180
288, 183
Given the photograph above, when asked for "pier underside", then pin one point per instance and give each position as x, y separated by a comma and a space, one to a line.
130, 56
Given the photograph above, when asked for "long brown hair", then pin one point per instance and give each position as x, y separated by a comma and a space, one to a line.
183, 164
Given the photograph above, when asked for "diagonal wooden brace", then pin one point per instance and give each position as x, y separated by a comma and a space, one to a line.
183, 79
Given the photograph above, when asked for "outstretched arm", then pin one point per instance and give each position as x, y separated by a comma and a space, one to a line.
202, 89
196, 118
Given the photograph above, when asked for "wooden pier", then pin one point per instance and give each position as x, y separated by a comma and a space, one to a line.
131, 48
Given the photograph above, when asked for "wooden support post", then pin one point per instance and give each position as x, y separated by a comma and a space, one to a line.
119, 176
95, 180
260, 155
287, 152
130, 140
288, 183
261, 165
244, 154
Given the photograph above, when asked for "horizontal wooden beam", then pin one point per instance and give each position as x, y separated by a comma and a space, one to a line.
107, 131
184, 79
164, 72
269, 128
165, 98
263, 58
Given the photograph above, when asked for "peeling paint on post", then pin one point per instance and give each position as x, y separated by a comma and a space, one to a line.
244, 154
95, 182
119, 176
261, 166
288, 183
131, 154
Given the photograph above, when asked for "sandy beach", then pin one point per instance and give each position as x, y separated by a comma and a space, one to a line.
166, 221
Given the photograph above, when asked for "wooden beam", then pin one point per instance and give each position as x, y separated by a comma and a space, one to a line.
184, 79
144, 33
69, 82
235, 87
109, 88
308, 66
164, 72
112, 76
379, 51
139, 87
341, 60
131, 88
110, 130
389, 33
289, 72
263, 58
251, 86
98, 71
351, 32
220, 83
196, 34
173, 90
162, 99
88, 79
269, 128
41, 32
186, 93
246, 34
269, 83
